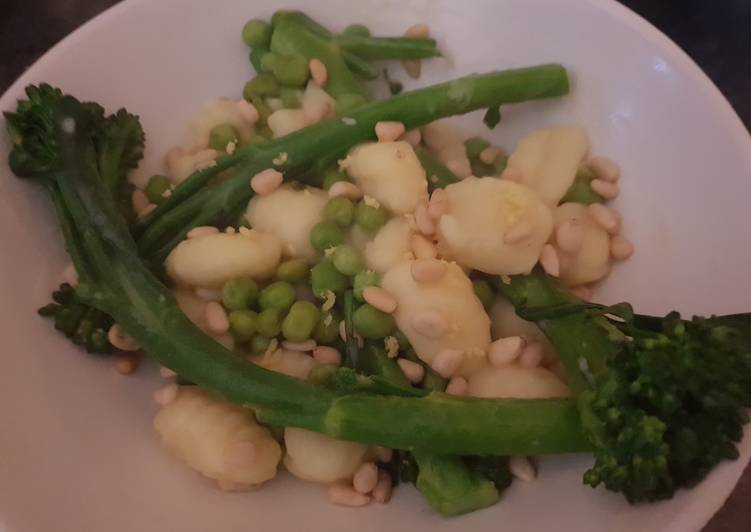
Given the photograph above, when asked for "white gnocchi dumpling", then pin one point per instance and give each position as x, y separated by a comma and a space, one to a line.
291, 363
212, 260
547, 160
218, 439
217, 112
316, 103
289, 214
441, 314
390, 246
389, 172
493, 225
505, 322
285, 121
448, 147
181, 162
583, 245
513, 381
320, 458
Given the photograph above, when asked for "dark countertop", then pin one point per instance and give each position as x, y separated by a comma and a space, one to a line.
717, 34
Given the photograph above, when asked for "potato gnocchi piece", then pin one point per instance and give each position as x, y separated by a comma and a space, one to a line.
516, 382
390, 246
390, 172
220, 440
320, 458
217, 112
291, 363
285, 121
210, 261
451, 296
590, 260
289, 214
547, 160
448, 146
505, 322
316, 103
493, 225
181, 162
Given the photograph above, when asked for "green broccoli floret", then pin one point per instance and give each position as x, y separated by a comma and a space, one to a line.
662, 400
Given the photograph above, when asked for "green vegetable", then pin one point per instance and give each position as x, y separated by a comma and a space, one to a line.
300, 321
475, 146
292, 270
279, 295
580, 190
327, 328
370, 219
395, 87
256, 33
439, 176
326, 235
374, 361
341, 211
432, 380
259, 344
362, 280
291, 70
221, 135
492, 117
239, 294
156, 187
388, 47
357, 30
347, 259
450, 487
268, 59
484, 292
324, 277
333, 177
256, 58
494, 468
261, 86
269, 322
243, 324
346, 103
291, 98
371, 323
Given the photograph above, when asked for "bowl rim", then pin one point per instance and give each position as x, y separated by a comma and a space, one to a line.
695, 517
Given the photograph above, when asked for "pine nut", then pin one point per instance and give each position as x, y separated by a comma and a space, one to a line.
422, 247
208, 294
318, 72
216, 318
389, 131
620, 248
346, 495
424, 221
383, 454
167, 373
605, 217
505, 350
139, 200
606, 189
427, 270
383, 489
324, 354
412, 137
460, 167
345, 189
379, 298
122, 341
266, 181
366, 478
457, 386
532, 355
126, 364
490, 154
164, 396
438, 204
605, 169
522, 468
247, 111
202, 230
412, 370
307, 345
549, 261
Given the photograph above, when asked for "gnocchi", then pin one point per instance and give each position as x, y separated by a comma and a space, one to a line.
286, 121
217, 112
589, 259
320, 458
506, 322
390, 245
291, 363
513, 381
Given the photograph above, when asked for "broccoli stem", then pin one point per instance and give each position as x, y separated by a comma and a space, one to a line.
319, 145
388, 47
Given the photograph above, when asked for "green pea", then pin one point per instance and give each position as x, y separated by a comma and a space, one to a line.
256, 56
292, 270
264, 84
239, 294
371, 323
221, 135
291, 98
474, 146
269, 322
243, 324
264, 111
156, 187
341, 211
256, 33
300, 322
267, 62
259, 344
357, 30
347, 260
364, 279
279, 295
333, 177
369, 218
484, 292
348, 102
291, 70
325, 277
326, 235
327, 328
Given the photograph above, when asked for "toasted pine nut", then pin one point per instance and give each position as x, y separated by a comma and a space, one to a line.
167, 394
422, 247
208, 294
383, 454
346, 495
167, 373
517, 232
412, 137
413, 67
438, 204
266, 181
318, 72
605, 217
139, 200
247, 111
122, 341
389, 131
512, 174
377, 297
549, 260
460, 167
532, 355
307, 345
425, 223
365, 478
412, 370
202, 230
490, 154
522, 468
605, 169
427, 270
430, 323
606, 189
447, 362
126, 364
382, 491
457, 386
216, 318
505, 350
324, 354
70, 275
345, 189
569, 236
620, 248
418, 31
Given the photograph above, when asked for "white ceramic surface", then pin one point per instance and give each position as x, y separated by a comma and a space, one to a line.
76, 448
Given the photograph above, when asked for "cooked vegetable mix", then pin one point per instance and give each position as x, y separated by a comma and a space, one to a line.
392, 301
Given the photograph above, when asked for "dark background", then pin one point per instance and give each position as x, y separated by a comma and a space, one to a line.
715, 33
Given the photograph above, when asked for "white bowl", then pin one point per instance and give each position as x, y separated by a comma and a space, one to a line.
77, 452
